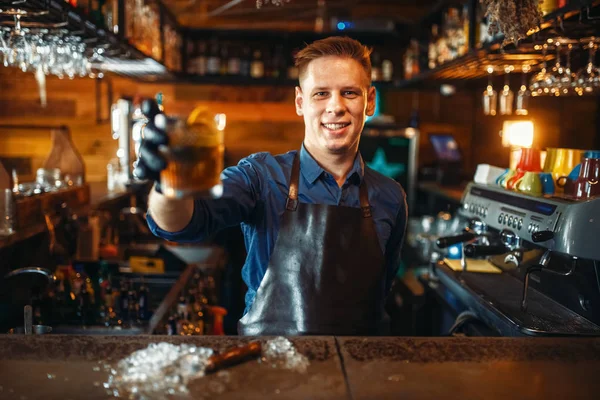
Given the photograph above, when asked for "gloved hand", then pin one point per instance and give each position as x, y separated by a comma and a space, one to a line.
150, 162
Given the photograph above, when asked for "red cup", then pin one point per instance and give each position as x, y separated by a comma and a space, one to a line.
510, 184
530, 160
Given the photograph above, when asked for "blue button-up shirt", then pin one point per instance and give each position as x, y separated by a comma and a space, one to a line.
255, 193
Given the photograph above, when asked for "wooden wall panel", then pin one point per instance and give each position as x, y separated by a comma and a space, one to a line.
264, 119
258, 118
559, 122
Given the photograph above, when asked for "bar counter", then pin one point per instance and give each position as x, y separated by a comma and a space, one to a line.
67, 367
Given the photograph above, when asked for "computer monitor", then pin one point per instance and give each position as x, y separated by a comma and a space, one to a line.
445, 148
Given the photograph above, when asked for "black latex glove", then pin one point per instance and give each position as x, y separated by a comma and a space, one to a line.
150, 162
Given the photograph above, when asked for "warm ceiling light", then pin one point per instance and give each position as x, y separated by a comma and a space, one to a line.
517, 133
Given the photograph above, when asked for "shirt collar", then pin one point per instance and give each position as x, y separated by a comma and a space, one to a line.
311, 170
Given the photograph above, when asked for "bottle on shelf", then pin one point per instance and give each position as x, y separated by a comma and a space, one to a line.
292, 70
234, 62
224, 59
376, 73
245, 61
198, 63
111, 15
267, 61
387, 70
257, 67
213, 63
278, 63
124, 302
463, 43
142, 299
432, 50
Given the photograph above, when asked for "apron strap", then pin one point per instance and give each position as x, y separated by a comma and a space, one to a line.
364, 198
292, 200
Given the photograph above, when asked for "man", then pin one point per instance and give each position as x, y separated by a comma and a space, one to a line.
323, 232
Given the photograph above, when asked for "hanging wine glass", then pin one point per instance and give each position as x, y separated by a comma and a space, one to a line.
19, 49
507, 96
4, 32
588, 78
542, 82
523, 95
566, 81
490, 96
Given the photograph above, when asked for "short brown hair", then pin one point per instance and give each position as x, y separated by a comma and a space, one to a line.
340, 46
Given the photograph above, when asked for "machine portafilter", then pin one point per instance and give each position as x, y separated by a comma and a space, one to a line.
477, 230
509, 243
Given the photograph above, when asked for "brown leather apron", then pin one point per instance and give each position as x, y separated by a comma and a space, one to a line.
326, 273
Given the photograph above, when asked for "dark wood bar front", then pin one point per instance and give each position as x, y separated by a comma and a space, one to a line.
340, 368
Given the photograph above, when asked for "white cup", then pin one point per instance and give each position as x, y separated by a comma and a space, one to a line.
487, 174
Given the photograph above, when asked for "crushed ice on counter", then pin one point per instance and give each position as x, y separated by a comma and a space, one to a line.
281, 353
159, 371
163, 370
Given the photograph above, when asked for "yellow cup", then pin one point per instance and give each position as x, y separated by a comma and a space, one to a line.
550, 160
530, 183
564, 162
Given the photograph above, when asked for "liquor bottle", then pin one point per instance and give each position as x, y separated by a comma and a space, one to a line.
463, 43
257, 67
245, 61
416, 67
124, 302
200, 62
182, 308
234, 62
213, 63
278, 63
432, 55
376, 73
143, 313
292, 71
160, 98
407, 61
267, 63
224, 61
171, 326
387, 70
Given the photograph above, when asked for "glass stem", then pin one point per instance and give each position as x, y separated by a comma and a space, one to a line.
18, 23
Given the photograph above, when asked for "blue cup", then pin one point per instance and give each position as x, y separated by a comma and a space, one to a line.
547, 183
501, 177
592, 154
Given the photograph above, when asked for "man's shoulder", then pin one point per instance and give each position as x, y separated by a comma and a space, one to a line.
383, 185
265, 159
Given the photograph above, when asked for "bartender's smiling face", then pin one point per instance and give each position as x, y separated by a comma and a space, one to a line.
334, 98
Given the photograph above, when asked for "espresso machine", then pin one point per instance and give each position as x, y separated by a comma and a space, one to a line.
546, 255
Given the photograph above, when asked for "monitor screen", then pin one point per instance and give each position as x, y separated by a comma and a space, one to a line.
445, 147
389, 156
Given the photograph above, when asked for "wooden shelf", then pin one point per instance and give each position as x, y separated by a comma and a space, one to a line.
25, 233
473, 65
